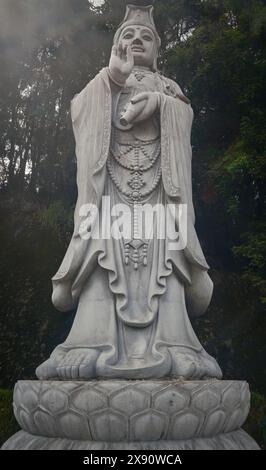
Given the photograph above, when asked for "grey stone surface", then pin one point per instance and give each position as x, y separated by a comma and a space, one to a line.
135, 294
117, 410
237, 440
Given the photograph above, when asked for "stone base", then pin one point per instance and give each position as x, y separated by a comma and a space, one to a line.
237, 440
124, 414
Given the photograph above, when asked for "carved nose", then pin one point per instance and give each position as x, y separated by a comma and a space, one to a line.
137, 42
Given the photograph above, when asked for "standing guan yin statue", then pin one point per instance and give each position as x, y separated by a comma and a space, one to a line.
132, 128
134, 294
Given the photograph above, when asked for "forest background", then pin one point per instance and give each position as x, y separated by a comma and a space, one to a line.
215, 50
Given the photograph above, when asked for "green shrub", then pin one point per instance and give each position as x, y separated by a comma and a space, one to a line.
8, 424
256, 423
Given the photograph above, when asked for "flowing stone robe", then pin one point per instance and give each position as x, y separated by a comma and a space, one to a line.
136, 319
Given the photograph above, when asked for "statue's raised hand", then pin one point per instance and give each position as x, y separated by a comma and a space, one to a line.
121, 64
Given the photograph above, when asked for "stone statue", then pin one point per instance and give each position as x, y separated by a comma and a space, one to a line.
132, 128
132, 374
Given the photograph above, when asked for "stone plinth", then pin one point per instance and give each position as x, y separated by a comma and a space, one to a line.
118, 414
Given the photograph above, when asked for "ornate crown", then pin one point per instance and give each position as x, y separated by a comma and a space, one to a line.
138, 15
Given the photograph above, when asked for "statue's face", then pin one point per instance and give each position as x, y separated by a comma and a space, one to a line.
142, 42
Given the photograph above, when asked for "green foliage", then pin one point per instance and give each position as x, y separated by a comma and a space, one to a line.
58, 218
221, 65
8, 424
233, 330
253, 249
29, 325
256, 423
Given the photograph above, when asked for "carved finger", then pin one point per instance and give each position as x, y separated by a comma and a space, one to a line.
114, 50
124, 54
130, 57
140, 97
143, 116
132, 112
148, 110
120, 51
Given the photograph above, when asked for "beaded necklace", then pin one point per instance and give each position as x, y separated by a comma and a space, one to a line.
122, 160
134, 195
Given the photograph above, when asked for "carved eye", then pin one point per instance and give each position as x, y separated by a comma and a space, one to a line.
128, 36
147, 38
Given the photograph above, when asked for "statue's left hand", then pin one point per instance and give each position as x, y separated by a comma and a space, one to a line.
142, 107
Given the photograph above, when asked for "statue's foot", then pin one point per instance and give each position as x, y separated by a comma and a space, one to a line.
184, 365
211, 367
193, 365
71, 365
78, 364
47, 370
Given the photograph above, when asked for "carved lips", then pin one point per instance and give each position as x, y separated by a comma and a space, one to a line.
137, 49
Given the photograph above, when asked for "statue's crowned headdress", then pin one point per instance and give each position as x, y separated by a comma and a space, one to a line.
138, 15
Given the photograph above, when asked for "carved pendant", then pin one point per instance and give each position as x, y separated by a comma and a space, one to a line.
136, 251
